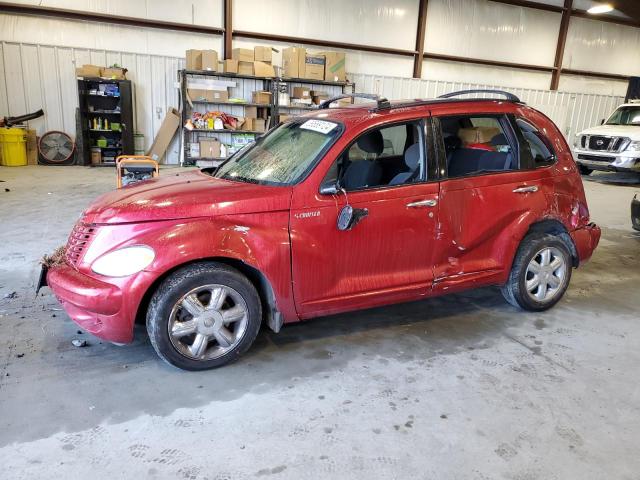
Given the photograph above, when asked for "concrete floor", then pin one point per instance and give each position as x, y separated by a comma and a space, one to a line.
458, 387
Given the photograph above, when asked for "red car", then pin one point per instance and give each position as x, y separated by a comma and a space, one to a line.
340, 209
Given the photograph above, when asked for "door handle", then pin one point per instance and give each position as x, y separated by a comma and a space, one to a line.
531, 189
422, 203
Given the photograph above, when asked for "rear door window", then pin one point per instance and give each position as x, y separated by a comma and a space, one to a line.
476, 145
536, 142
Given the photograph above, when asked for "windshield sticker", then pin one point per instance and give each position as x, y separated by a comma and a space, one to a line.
319, 126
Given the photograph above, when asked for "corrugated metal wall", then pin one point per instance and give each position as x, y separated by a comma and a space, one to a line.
35, 76
42, 76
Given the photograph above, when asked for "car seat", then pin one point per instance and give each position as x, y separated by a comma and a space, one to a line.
365, 173
412, 161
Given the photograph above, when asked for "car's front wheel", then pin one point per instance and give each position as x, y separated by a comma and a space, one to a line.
540, 273
203, 316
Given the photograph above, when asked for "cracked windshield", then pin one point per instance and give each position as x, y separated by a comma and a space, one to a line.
283, 156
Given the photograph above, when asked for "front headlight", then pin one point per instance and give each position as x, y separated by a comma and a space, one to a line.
634, 147
124, 261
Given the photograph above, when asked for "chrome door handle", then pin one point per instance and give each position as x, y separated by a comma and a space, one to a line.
531, 189
422, 203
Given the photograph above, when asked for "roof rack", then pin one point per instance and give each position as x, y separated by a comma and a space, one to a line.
509, 96
382, 102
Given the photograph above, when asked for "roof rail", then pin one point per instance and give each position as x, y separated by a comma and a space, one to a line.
509, 96
381, 101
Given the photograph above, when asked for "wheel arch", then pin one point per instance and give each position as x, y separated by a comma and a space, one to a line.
554, 227
272, 316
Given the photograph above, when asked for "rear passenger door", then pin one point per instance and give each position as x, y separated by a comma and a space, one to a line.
486, 191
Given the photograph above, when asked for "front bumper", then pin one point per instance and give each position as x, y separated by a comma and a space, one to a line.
635, 213
586, 240
607, 161
96, 306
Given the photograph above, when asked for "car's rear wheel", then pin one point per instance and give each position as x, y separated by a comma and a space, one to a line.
584, 170
203, 316
540, 273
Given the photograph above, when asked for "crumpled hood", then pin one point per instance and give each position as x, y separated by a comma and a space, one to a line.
631, 131
185, 195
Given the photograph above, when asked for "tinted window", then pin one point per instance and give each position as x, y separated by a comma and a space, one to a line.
477, 144
540, 150
629, 115
386, 156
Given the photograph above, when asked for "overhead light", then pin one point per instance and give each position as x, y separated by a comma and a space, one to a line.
600, 8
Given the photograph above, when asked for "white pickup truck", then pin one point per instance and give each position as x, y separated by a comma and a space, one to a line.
614, 145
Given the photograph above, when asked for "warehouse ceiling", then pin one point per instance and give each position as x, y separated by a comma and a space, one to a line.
630, 8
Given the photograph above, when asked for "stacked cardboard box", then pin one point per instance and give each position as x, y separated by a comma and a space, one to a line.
202, 60
297, 62
254, 63
95, 71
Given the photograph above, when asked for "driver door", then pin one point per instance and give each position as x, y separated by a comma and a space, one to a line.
388, 255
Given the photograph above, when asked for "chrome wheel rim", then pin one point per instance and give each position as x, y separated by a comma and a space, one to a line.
208, 322
545, 274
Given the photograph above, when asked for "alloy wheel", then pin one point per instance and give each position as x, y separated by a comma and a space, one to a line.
545, 274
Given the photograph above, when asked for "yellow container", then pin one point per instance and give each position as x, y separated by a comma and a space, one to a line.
13, 144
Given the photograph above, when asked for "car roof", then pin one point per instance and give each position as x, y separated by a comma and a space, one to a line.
357, 111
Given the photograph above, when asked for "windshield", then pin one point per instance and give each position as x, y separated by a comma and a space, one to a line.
284, 155
625, 116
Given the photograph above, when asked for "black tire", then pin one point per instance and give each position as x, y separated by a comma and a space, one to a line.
515, 292
178, 284
584, 170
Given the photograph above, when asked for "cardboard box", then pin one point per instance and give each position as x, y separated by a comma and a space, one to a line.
114, 73
314, 67
210, 60
259, 125
167, 130
219, 96
200, 95
245, 68
88, 71
334, 68
262, 69
301, 92
261, 97
210, 148
230, 66
293, 59
283, 118
262, 54
250, 112
248, 124
242, 54
32, 147
318, 99
194, 59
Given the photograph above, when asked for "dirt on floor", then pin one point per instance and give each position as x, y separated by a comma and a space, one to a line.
457, 387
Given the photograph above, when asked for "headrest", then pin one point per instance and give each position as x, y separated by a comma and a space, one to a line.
478, 134
412, 156
499, 139
371, 142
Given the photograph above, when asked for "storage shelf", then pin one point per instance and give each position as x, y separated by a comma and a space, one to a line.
236, 132
207, 73
104, 131
234, 104
318, 82
101, 112
291, 107
102, 96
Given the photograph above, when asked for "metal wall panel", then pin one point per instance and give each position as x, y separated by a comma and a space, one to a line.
366, 22
491, 30
601, 46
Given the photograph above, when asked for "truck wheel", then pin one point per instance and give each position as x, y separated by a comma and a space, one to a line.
540, 273
203, 316
584, 170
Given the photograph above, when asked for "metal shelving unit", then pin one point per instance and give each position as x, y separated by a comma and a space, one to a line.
246, 85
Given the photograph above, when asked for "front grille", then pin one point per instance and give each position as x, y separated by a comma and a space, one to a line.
597, 142
78, 242
600, 143
596, 158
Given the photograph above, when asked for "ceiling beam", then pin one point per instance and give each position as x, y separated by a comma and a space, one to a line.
19, 9
562, 42
420, 32
491, 63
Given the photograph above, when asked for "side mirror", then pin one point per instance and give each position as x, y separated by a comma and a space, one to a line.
329, 188
602, 121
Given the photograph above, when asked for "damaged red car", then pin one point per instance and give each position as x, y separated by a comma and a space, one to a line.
337, 210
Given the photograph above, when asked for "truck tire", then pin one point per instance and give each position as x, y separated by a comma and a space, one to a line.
203, 316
